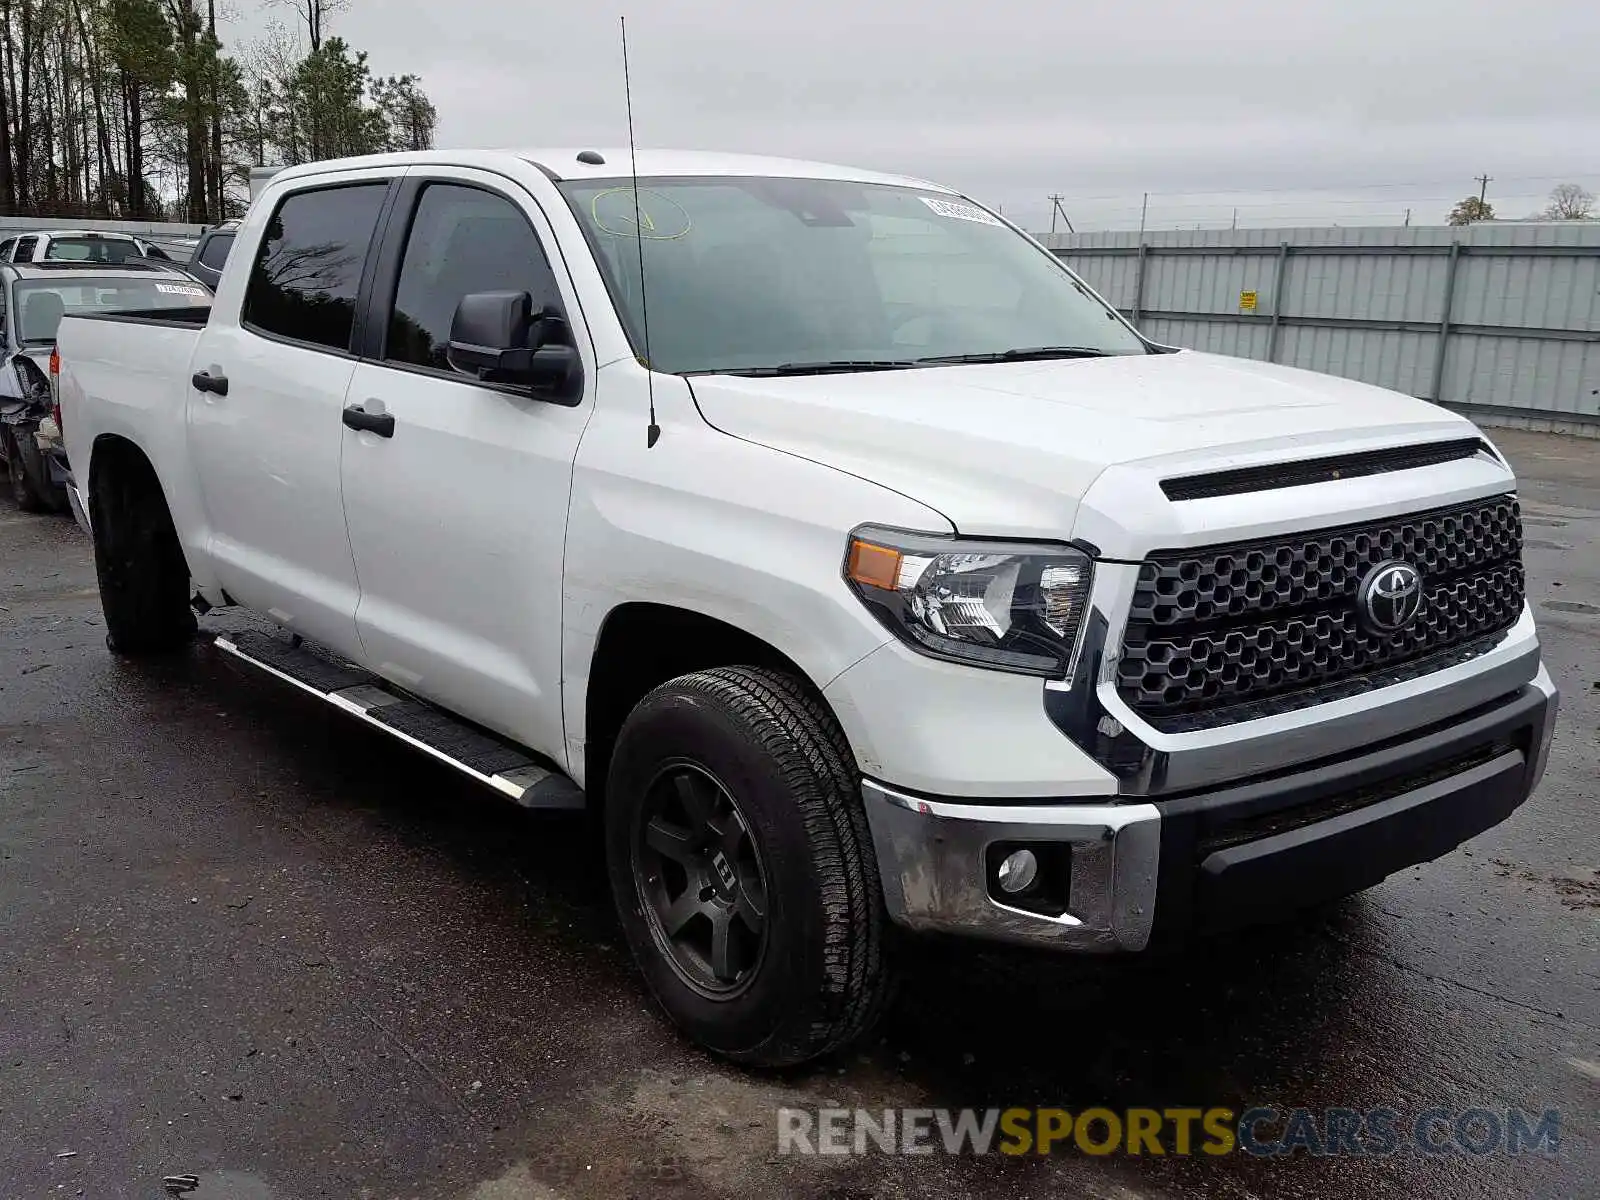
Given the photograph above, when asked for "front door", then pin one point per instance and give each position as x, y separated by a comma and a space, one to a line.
457, 518
264, 413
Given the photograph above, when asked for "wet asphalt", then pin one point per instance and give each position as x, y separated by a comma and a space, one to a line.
244, 940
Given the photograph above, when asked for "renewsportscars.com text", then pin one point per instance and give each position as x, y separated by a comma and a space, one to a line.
1264, 1132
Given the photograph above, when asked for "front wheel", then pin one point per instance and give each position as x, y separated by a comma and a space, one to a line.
742, 868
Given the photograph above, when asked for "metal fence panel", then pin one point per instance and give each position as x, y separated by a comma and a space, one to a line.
1501, 320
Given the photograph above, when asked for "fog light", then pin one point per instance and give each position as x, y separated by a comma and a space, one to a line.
1017, 872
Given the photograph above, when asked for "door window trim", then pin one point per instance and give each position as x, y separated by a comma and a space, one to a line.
374, 248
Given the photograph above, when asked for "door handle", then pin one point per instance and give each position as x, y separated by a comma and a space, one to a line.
381, 424
204, 381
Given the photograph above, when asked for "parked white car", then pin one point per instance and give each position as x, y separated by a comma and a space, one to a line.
822, 529
89, 247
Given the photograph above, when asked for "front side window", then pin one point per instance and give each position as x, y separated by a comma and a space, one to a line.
40, 304
462, 240
756, 273
307, 272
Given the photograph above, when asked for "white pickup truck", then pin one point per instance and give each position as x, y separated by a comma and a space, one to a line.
828, 536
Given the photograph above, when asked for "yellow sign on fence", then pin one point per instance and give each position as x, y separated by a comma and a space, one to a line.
1247, 301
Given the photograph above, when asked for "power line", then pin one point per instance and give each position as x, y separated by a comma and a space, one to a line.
1303, 189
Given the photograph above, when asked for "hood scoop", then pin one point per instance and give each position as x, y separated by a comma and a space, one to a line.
1242, 480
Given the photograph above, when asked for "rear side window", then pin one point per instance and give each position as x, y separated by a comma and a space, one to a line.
307, 271
25, 249
462, 240
215, 252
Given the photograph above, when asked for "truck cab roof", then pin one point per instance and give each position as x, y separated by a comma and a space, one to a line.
563, 164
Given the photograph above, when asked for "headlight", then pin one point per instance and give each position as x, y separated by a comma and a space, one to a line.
1001, 605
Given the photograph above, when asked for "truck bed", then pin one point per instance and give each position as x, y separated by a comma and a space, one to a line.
126, 373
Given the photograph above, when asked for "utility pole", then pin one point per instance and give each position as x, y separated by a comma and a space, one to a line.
1483, 186
1408, 218
1235, 219
1055, 207
1143, 209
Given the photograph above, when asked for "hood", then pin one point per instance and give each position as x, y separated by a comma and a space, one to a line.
1008, 450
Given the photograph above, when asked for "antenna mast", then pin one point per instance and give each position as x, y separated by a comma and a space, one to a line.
653, 432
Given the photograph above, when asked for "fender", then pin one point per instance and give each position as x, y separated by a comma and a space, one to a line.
707, 522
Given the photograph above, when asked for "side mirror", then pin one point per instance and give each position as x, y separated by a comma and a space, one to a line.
498, 338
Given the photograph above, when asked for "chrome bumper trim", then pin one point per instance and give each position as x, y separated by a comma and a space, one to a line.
931, 858
1541, 757
80, 510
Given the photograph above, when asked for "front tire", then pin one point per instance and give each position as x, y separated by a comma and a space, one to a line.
144, 578
742, 868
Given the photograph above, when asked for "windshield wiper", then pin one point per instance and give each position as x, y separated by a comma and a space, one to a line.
1021, 354
831, 367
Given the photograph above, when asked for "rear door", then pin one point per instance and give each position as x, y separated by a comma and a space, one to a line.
457, 521
269, 379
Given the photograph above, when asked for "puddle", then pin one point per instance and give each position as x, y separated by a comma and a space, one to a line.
1526, 520
217, 1185
1572, 606
1536, 544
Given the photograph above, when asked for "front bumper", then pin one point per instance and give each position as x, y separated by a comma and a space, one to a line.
1201, 861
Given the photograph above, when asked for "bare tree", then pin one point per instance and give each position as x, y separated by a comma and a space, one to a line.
315, 15
1569, 202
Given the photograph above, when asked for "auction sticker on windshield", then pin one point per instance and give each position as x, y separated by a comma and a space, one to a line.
960, 212
180, 289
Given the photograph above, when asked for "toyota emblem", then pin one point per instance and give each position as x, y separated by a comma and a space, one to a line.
1390, 597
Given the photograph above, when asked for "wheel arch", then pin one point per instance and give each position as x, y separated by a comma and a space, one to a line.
642, 644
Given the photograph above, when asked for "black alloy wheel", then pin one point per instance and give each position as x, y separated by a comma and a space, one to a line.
701, 880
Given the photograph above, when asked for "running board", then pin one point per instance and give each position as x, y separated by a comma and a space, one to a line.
511, 771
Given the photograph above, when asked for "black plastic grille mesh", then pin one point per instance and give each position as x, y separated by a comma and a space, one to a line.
1217, 631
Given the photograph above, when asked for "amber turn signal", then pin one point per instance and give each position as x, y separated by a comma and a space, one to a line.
873, 566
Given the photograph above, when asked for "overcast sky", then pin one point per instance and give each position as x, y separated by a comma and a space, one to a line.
1309, 110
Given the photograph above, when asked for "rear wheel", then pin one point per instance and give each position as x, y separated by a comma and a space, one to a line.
144, 579
741, 866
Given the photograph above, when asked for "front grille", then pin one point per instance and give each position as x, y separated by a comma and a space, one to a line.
1223, 634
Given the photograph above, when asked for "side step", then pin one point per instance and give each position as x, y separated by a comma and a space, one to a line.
500, 764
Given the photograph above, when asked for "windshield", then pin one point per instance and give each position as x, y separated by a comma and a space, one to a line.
751, 273
40, 304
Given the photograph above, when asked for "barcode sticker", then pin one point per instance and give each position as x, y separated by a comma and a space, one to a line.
180, 289
960, 212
